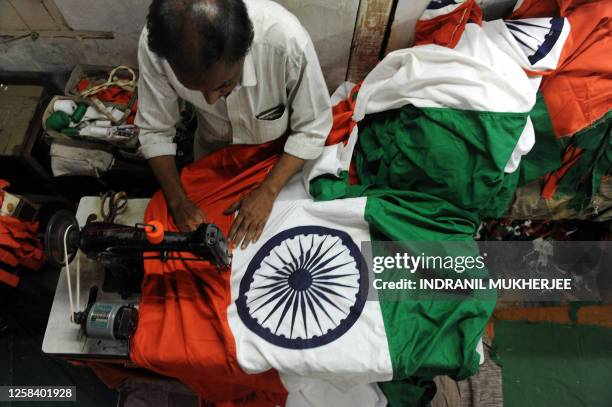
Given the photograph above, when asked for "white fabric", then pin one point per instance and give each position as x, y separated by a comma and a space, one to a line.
71, 160
281, 68
342, 92
94, 114
532, 36
361, 354
334, 160
480, 351
523, 146
317, 393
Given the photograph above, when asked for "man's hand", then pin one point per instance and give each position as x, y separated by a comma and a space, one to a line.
187, 217
255, 208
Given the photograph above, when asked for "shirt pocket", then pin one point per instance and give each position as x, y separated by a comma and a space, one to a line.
268, 130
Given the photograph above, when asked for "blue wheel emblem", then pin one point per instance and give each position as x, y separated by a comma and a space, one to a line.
304, 288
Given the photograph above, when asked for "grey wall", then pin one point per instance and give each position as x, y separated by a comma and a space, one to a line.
330, 24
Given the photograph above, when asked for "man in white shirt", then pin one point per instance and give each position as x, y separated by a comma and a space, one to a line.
252, 74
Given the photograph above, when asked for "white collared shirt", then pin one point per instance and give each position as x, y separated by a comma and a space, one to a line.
280, 70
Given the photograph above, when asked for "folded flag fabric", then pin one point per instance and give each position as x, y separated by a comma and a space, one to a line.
19, 245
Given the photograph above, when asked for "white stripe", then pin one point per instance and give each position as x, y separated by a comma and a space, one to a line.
360, 355
476, 75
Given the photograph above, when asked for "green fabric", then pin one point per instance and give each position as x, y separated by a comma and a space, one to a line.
434, 184
553, 365
544, 157
584, 178
546, 154
428, 173
414, 392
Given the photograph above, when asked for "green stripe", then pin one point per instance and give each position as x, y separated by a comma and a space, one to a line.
428, 173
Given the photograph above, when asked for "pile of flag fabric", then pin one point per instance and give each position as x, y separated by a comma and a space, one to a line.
572, 69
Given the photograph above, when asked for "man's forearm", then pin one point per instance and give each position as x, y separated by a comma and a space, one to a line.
164, 168
286, 167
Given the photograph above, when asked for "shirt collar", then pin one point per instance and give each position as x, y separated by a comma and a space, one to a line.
248, 71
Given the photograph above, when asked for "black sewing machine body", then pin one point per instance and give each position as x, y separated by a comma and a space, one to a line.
110, 242
122, 249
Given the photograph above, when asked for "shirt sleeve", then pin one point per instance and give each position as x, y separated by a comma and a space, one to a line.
309, 105
158, 109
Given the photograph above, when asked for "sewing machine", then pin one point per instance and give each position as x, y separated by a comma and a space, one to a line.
104, 256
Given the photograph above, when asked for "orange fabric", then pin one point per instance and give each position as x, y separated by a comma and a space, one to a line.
343, 118
19, 245
8, 257
536, 8
446, 30
547, 8
112, 94
182, 329
343, 126
8, 278
579, 91
571, 155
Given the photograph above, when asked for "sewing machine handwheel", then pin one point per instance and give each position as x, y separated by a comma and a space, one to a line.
59, 223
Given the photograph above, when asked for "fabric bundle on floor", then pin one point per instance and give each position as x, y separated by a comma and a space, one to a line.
19, 245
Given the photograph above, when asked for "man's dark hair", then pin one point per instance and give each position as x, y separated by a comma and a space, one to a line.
194, 34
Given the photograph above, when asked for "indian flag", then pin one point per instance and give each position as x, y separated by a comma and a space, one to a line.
290, 322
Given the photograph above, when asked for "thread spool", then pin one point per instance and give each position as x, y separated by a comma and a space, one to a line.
93, 131
58, 121
66, 106
79, 113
